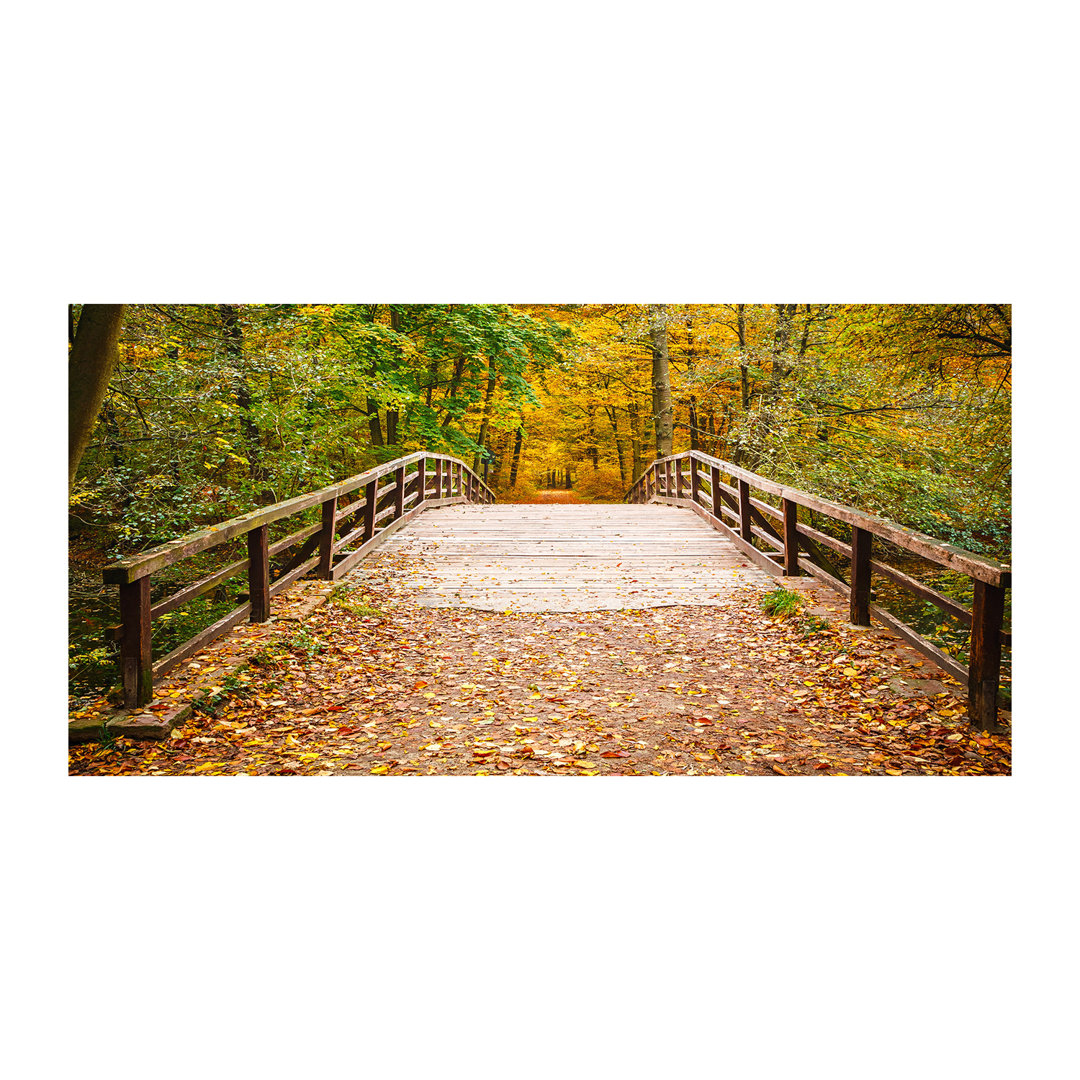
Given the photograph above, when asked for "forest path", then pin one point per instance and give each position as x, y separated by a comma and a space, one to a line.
538, 558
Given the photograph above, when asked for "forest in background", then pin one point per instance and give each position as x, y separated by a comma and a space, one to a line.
212, 410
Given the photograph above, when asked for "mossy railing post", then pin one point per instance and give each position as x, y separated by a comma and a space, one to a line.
860, 576
259, 573
135, 652
984, 665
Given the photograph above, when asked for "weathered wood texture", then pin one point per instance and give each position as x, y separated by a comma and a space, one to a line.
567, 558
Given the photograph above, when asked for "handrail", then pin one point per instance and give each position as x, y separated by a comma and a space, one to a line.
403, 486
665, 481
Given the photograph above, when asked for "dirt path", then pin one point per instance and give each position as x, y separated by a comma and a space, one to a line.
374, 683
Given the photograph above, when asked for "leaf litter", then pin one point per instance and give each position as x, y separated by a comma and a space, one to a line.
379, 685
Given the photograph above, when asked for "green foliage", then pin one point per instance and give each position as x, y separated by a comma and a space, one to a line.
781, 603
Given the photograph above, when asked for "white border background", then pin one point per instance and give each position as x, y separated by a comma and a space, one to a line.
574, 152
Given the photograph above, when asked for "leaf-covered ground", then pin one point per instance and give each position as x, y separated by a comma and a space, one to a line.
374, 684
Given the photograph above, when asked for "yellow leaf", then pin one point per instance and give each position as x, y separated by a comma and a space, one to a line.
380, 770
894, 772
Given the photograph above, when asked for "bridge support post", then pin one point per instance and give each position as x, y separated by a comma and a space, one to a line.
695, 482
421, 482
678, 480
259, 573
714, 491
370, 499
860, 576
399, 492
135, 656
984, 668
326, 538
744, 511
791, 539
667, 479
438, 478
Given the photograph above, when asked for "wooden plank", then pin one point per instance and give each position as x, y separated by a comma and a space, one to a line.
352, 508
201, 640
279, 546
824, 539
918, 642
986, 617
197, 588
924, 592
136, 670
259, 573
767, 508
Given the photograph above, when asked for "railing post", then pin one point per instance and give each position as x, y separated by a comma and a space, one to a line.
399, 494
695, 481
259, 573
438, 478
667, 479
791, 539
326, 538
714, 486
678, 479
370, 499
136, 664
984, 667
421, 483
860, 576
744, 511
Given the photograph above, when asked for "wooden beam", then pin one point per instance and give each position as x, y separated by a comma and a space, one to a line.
135, 650
985, 670
791, 538
326, 538
860, 576
259, 573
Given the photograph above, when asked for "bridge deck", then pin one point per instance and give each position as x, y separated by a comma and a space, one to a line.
526, 557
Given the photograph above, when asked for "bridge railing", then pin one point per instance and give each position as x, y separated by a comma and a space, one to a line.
389, 497
723, 494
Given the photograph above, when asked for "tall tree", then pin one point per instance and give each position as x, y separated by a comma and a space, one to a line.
90, 366
661, 379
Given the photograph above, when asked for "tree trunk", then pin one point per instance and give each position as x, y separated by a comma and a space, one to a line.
637, 439
517, 456
489, 393
661, 379
781, 339
90, 365
234, 353
744, 371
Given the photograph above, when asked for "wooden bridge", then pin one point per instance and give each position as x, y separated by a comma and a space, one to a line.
748, 530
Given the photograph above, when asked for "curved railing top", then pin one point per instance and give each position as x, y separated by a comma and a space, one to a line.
137, 566
975, 566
